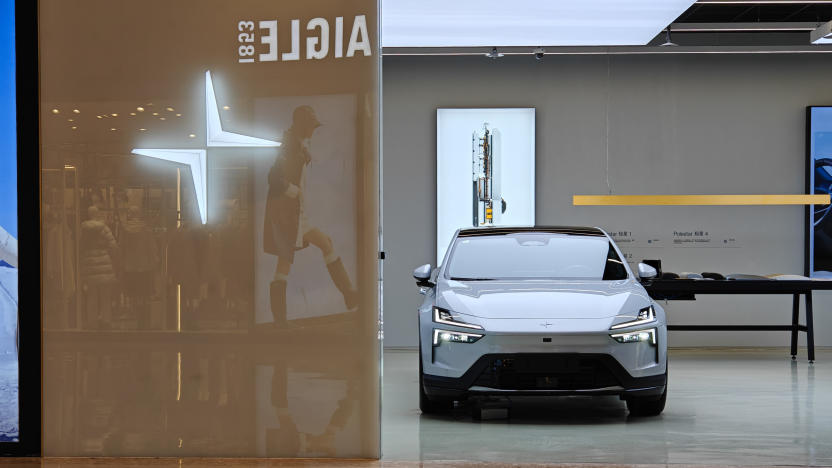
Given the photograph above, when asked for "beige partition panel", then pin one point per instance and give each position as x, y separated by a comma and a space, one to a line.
210, 227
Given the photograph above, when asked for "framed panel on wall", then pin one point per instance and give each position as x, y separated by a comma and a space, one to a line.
818, 262
20, 363
484, 170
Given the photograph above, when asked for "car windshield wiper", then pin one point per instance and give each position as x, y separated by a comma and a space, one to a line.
460, 278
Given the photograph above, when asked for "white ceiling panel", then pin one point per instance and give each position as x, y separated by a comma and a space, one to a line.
469, 23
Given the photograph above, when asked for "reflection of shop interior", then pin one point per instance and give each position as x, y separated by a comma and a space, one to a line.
131, 234
204, 401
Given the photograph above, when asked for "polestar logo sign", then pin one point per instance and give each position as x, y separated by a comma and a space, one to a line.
216, 137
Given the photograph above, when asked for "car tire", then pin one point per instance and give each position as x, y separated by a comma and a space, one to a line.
647, 406
426, 405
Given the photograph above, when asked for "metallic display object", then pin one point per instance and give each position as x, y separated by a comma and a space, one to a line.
485, 174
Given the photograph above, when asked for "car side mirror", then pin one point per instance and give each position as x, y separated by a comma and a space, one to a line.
646, 272
422, 276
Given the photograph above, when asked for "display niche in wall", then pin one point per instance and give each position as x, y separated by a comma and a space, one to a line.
819, 181
484, 170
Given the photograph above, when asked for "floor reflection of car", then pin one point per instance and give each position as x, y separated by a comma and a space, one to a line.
539, 311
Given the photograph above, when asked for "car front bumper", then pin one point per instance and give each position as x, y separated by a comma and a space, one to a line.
541, 374
511, 363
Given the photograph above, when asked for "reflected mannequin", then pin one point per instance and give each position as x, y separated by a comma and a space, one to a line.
99, 254
286, 228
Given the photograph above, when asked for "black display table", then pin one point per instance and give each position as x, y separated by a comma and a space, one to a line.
685, 289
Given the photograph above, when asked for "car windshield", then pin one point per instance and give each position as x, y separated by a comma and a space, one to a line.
534, 255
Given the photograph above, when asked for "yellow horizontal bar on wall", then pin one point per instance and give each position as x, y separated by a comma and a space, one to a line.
693, 200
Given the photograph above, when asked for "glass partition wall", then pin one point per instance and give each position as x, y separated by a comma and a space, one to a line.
209, 186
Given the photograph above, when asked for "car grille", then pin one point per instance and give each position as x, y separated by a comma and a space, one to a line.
545, 372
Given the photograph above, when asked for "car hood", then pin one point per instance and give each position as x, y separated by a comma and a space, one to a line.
541, 299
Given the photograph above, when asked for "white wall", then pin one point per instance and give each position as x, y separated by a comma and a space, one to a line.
677, 124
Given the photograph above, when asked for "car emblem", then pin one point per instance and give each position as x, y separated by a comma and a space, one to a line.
546, 324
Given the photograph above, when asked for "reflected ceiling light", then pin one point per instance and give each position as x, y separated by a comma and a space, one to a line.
226, 107
140, 109
74, 128
113, 129
70, 120
114, 115
76, 111
142, 130
99, 116
196, 159
155, 113
169, 109
192, 135
56, 111
132, 113
162, 118
822, 35
179, 115
475, 23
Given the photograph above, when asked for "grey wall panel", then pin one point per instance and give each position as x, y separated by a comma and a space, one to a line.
706, 124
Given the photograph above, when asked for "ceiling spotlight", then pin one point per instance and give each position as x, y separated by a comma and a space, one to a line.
179, 115
100, 116
822, 35
74, 128
113, 129
667, 41
161, 118
56, 111
155, 113
169, 109
76, 111
539, 53
140, 109
114, 115
70, 120
192, 135
494, 54
142, 129
226, 107
132, 113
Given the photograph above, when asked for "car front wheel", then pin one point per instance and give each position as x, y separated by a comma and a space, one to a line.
426, 405
647, 406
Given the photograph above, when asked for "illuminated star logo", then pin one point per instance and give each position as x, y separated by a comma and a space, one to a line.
216, 137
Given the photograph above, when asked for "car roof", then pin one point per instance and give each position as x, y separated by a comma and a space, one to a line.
504, 230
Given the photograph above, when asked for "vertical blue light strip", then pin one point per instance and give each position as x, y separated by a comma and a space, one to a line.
8, 121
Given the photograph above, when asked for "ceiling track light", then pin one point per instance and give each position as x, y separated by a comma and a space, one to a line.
494, 54
667, 41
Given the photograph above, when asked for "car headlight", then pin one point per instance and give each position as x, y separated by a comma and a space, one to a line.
446, 317
453, 337
638, 336
645, 315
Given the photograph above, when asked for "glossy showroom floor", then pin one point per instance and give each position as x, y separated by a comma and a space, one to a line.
725, 407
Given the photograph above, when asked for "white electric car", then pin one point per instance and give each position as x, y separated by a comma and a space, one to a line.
539, 311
